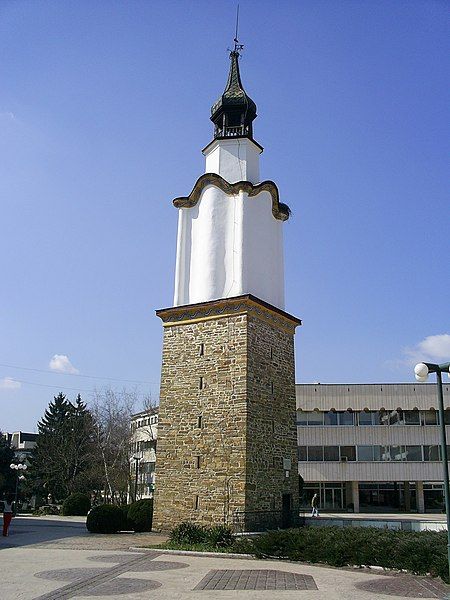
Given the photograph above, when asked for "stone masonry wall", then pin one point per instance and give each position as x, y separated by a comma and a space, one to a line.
271, 416
226, 419
201, 469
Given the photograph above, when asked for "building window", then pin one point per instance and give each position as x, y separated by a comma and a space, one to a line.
199, 421
302, 453
431, 453
196, 502
346, 417
201, 383
348, 453
411, 417
365, 453
331, 453
330, 418
430, 417
302, 418
397, 452
413, 453
315, 418
197, 462
201, 351
315, 453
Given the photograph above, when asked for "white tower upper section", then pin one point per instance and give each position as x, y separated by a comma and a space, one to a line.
230, 236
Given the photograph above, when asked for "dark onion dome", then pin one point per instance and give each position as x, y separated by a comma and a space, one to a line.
234, 112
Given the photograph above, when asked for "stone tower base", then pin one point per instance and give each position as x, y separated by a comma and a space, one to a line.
227, 442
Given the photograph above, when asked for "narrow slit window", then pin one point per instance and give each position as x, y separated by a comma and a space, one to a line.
197, 462
271, 386
201, 383
201, 350
199, 421
271, 352
196, 502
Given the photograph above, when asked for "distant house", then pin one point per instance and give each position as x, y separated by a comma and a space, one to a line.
22, 442
144, 431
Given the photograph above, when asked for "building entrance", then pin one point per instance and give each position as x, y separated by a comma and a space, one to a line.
331, 495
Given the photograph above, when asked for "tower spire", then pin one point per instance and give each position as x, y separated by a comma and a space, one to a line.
234, 111
237, 45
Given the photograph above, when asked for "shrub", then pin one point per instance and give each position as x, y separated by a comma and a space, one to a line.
220, 536
126, 525
105, 518
140, 515
417, 552
76, 504
188, 533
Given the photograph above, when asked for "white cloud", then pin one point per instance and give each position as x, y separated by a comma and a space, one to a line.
62, 364
8, 383
8, 115
434, 348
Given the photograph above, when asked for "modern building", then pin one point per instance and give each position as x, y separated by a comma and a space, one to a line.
22, 442
369, 447
227, 447
144, 433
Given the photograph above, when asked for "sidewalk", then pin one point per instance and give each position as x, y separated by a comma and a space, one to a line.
57, 559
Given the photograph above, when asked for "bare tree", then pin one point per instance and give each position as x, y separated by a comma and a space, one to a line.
112, 412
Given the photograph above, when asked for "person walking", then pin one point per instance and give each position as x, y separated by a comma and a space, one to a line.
315, 506
7, 514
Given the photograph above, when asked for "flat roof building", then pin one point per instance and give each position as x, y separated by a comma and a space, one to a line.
369, 447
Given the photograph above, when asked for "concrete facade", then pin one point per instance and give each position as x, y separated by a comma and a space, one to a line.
363, 445
226, 431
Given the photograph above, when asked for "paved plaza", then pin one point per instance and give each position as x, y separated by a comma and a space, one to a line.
55, 558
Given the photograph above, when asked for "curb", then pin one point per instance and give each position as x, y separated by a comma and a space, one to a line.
195, 553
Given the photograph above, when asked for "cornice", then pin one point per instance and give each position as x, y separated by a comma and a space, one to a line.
279, 210
228, 307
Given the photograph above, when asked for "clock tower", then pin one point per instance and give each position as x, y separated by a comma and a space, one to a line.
227, 443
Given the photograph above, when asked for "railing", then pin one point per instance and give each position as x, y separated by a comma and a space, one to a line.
232, 131
264, 520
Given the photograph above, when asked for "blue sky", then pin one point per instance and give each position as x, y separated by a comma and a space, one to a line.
104, 108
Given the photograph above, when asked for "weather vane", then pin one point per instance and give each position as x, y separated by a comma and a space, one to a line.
237, 45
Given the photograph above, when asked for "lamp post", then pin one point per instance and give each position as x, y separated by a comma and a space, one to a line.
421, 371
18, 468
137, 459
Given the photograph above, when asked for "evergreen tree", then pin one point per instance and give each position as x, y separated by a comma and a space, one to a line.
6, 473
61, 460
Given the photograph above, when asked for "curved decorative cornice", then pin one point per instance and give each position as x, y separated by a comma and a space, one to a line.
279, 210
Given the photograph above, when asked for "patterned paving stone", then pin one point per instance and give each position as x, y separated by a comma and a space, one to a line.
160, 565
113, 558
73, 574
255, 579
122, 585
99, 577
405, 586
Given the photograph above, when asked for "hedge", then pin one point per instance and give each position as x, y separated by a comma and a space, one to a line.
140, 515
219, 536
76, 504
418, 552
105, 518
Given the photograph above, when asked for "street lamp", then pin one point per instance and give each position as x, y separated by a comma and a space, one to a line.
421, 371
137, 459
18, 468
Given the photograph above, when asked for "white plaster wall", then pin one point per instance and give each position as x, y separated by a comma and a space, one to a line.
235, 159
227, 246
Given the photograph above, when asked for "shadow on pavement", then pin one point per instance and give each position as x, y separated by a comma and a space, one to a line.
25, 531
